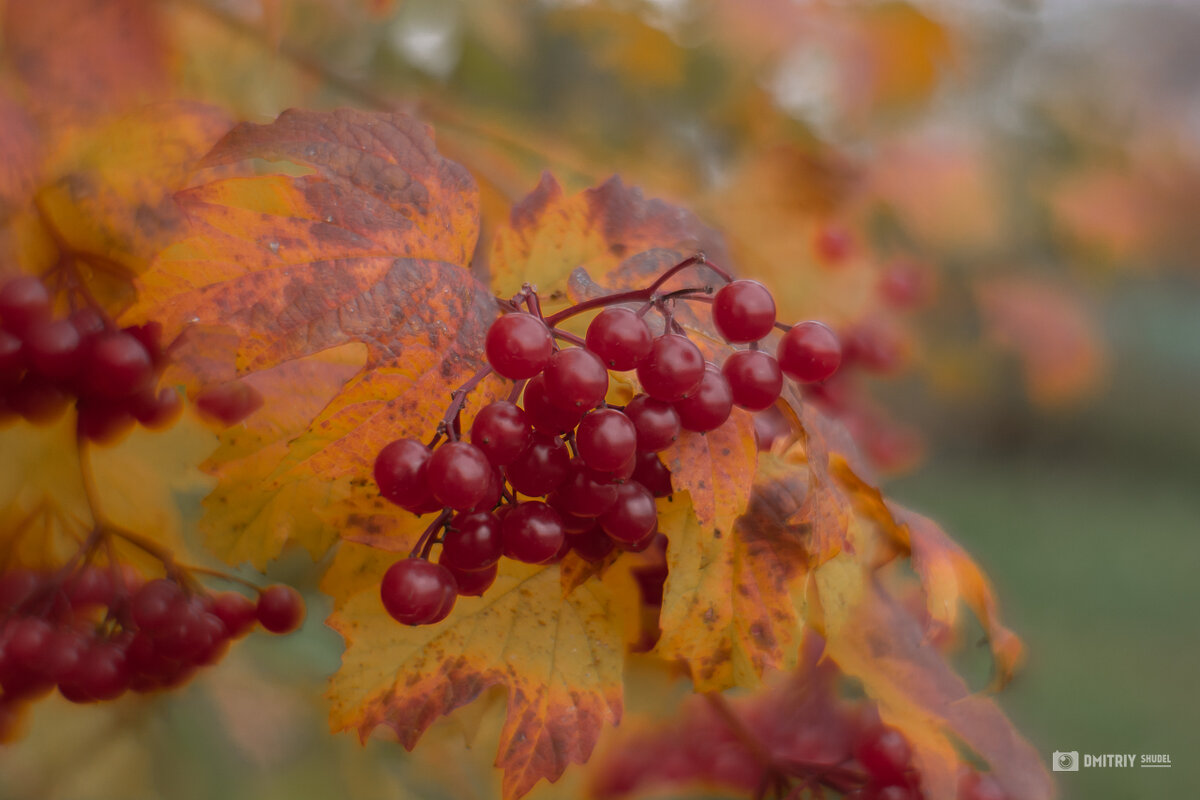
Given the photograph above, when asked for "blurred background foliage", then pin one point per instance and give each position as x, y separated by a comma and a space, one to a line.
995, 201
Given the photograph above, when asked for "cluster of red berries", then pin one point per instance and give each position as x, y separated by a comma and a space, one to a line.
591, 470
886, 758
98, 632
46, 362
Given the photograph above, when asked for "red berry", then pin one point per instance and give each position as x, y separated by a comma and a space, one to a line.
23, 301
37, 399
544, 415
90, 586
153, 603
754, 378
656, 422
673, 368
810, 352
401, 470
472, 542
236, 611
980, 786
593, 545
101, 674
619, 337
103, 421
474, 584
280, 609
157, 410
583, 493
576, 379
532, 532
12, 357
653, 474
884, 754
118, 366
832, 243
744, 311
501, 430
229, 403
633, 516
708, 405
458, 475
518, 346
53, 348
540, 468
606, 439
417, 592
89, 322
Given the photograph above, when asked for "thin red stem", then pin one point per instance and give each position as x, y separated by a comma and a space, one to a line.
421, 548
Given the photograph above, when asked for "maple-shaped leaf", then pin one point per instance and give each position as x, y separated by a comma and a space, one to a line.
560, 660
549, 234
879, 643
368, 248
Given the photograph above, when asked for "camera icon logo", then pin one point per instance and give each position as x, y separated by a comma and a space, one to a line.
1066, 761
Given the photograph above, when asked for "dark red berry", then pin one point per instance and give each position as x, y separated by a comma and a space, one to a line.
744, 311
518, 346
52, 347
118, 366
809, 352
583, 493
458, 475
157, 410
619, 337
593, 545
229, 403
152, 604
236, 611
400, 473
501, 430
656, 422
576, 379
532, 532
708, 405
754, 379
38, 399
544, 415
12, 357
632, 516
103, 421
673, 368
653, 474
541, 467
472, 542
417, 592
91, 585
474, 584
280, 609
884, 754
23, 301
606, 439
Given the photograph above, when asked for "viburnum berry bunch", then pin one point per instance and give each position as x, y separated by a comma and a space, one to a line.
554, 468
96, 631
48, 362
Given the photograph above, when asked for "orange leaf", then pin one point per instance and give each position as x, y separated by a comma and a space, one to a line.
885, 648
550, 234
368, 248
559, 658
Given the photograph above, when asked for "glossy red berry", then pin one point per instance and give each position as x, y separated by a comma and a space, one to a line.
12, 357
401, 473
474, 584
810, 352
656, 422
576, 379
708, 405
501, 430
541, 467
236, 611
744, 311
471, 542
532, 532
518, 346
754, 378
53, 348
633, 516
544, 415
458, 475
620, 338
606, 439
653, 474
673, 368
280, 609
417, 592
